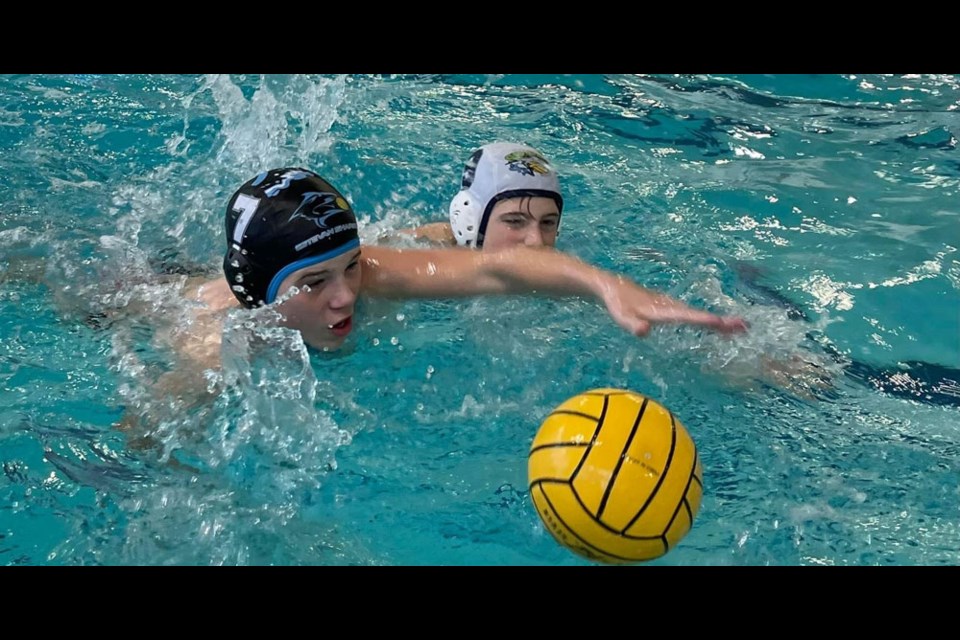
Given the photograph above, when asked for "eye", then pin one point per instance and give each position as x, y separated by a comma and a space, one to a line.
312, 282
353, 265
513, 221
549, 222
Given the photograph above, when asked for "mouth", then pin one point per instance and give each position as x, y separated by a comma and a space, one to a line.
342, 328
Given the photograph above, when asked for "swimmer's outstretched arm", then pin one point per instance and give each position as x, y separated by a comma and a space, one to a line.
442, 273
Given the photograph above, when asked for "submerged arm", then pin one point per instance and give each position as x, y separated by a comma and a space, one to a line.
440, 273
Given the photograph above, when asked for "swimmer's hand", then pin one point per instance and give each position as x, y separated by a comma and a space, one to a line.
637, 309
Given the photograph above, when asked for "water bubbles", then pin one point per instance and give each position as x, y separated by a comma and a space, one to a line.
394, 340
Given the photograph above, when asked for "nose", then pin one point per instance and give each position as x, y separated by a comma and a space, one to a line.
342, 294
534, 237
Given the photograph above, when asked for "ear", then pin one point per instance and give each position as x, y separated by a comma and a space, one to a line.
465, 218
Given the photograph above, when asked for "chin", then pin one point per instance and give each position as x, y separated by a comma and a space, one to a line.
329, 344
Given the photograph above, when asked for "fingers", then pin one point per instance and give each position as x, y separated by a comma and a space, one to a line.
689, 315
638, 314
731, 324
640, 328
726, 325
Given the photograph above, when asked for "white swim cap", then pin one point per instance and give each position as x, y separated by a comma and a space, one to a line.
495, 172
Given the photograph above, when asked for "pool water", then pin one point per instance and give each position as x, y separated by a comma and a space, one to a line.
830, 196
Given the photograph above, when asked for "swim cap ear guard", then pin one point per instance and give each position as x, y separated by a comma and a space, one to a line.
241, 276
465, 213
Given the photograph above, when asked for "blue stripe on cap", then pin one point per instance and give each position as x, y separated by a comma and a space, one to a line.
278, 279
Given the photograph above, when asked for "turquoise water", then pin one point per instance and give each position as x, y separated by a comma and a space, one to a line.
838, 193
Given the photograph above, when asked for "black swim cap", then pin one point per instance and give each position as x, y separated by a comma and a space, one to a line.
278, 222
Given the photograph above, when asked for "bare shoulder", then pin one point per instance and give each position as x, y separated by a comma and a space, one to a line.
213, 295
438, 232
198, 341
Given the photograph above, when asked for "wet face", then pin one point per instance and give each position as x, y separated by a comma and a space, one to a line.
525, 221
322, 307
